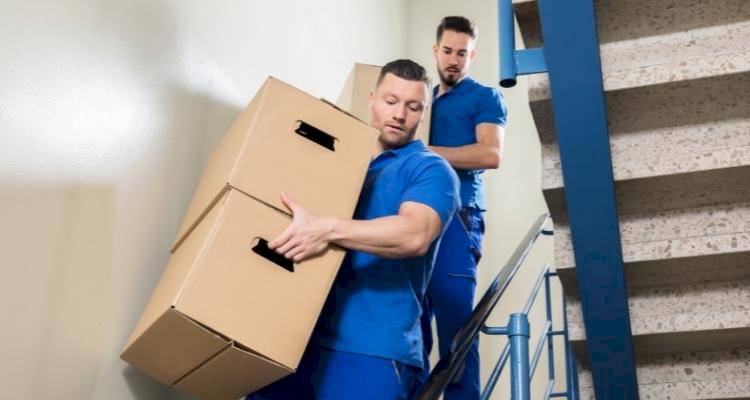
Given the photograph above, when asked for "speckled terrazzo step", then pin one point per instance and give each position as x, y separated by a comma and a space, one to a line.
702, 244
667, 129
681, 318
688, 376
673, 234
648, 42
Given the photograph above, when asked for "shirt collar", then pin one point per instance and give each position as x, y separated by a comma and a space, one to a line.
409, 148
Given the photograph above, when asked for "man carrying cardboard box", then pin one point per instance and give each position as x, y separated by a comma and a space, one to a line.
467, 130
368, 343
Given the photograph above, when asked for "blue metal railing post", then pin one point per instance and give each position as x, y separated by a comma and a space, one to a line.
571, 367
507, 40
550, 339
518, 335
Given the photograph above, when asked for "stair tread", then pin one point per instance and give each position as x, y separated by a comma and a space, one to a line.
682, 233
669, 163
705, 390
619, 74
697, 323
686, 367
665, 304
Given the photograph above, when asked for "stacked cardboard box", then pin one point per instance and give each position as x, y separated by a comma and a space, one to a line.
229, 316
355, 95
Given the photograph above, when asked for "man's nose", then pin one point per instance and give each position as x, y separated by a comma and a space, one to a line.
399, 114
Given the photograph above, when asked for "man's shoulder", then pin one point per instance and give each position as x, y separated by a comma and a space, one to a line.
484, 91
427, 159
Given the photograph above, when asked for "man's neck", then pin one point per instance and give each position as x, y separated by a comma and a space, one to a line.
380, 148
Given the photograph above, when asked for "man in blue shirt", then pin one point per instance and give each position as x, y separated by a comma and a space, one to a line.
368, 342
467, 130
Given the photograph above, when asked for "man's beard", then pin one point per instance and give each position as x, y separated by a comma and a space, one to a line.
448, 80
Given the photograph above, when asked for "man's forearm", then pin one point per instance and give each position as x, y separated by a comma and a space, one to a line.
472, 156
391, 237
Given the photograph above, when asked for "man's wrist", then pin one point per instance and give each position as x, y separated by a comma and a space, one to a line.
334, 233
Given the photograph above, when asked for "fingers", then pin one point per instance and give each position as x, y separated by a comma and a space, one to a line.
290, 244
282, 238
289, 203
294, 253
309, 252
300, 257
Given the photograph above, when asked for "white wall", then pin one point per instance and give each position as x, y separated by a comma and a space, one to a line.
513, 192
108, 110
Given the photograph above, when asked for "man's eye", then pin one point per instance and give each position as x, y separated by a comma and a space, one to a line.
391, 102
415, 108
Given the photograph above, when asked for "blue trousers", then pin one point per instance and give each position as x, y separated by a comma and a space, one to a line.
326, 374
450, 298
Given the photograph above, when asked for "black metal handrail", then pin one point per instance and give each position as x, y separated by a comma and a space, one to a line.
449, 365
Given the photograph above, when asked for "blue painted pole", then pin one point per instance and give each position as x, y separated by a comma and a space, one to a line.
506, 29
571, 52
518, 335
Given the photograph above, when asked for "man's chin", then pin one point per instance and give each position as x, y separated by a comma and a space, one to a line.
448, 80
393, 139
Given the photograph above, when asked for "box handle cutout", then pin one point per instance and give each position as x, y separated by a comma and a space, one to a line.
260, 247
314, 134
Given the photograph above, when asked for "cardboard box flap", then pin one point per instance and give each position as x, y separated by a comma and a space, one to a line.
172, 346
231, 374
332, 104
232, 280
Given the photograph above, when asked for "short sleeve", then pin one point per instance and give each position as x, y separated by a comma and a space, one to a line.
435, 184
491, 108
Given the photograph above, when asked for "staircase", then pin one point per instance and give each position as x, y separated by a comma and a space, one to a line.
677, 91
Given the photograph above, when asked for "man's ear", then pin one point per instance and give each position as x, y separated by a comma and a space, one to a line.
473, 54
435, 50
371, 98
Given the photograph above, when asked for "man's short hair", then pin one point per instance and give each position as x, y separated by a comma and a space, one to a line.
404, 69
457, 24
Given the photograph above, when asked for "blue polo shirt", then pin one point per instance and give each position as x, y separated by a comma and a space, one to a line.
374, 306
455, 116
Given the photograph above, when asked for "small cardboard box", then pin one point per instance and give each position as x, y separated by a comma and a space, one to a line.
355, 97
230, 316
288, 141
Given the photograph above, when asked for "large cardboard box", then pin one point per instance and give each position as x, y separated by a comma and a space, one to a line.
229, 316
288, 141
355, 95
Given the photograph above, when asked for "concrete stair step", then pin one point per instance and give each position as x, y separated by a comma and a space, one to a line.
664, 130
669, 192
688, 376
622, 20
691, 317
648, 42
681, 246
660, 307
692, 232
